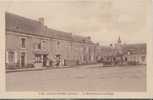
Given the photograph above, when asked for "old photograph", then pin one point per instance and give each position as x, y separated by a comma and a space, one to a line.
77, 45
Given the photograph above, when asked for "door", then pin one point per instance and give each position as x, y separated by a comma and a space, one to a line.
23, 59
44, 60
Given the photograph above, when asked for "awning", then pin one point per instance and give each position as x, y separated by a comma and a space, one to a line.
41, 52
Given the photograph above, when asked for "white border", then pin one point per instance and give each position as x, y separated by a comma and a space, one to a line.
4, 94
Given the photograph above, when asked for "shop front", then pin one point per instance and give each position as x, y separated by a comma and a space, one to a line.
41, 59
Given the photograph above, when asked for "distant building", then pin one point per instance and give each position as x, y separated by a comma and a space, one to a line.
124, 53
135, 53
131, 53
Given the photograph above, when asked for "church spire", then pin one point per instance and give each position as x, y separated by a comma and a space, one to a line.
119, 40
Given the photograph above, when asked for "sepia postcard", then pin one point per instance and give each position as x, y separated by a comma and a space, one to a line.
76, 48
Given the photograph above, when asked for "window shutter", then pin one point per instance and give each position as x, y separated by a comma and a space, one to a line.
6, 57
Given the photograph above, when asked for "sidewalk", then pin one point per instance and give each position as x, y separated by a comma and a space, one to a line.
49, 68
34, 69
62, 67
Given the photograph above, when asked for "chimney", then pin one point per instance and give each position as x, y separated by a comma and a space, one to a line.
41, 20
89, 38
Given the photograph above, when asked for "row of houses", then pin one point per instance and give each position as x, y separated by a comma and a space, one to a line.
31, 43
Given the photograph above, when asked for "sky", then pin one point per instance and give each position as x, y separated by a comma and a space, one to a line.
103, 20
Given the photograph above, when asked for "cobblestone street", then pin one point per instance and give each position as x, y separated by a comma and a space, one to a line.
81, 78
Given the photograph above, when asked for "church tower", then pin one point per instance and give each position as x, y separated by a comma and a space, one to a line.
119, 40
118, 46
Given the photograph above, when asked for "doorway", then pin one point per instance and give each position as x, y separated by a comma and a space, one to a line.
22, 59
44, 60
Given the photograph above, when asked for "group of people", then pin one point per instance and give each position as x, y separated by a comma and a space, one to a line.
58, 61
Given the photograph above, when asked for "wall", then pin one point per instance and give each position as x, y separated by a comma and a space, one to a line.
73, 52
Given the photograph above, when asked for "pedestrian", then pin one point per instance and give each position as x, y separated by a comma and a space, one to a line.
61, 62
57, 61
50, 63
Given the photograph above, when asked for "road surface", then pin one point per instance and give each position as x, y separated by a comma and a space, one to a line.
83, 78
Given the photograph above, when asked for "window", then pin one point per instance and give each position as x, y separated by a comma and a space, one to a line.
143, 58
23, 58
23, 42
39, 45
129, 52
58, 42
125, 58
43, 44
11, 57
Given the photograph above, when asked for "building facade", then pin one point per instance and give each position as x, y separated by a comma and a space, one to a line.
31, 43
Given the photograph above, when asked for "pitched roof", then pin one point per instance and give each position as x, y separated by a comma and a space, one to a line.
59, 34
23, 25
135, 48
78, 38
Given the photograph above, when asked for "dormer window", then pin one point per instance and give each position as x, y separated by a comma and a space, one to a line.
17, 27
84, 41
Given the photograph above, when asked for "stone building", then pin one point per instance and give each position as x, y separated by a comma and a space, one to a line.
135, 53
29, 42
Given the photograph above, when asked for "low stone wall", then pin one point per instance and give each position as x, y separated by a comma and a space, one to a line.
18, 66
